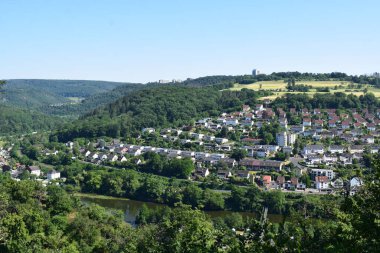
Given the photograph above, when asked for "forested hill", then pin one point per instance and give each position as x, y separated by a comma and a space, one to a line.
15, 121
157, 107
34, 93
92, 102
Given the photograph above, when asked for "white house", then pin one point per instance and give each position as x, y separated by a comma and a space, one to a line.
34, 170
336, 149
231, 122
313, 149
53, 174
148, 130
321, 182
330, 158
323, 172
221, 140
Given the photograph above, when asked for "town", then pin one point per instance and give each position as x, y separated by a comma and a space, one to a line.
307, 157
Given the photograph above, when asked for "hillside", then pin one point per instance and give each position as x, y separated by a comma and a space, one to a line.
92, 102
157, 107
35, 93
14, 121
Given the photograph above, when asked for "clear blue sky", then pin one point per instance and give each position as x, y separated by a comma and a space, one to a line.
147, 40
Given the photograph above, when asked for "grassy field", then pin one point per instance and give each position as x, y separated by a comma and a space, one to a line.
274, 85
279, 87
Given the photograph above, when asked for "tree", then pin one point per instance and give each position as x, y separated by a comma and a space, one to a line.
180, 168
2, 84
275, 201
239, 154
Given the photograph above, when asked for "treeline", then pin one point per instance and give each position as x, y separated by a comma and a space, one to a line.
298, 76
15, 121
147, 187
166, 106
338, 100
39, 219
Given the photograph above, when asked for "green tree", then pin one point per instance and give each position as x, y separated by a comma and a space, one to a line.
239, 154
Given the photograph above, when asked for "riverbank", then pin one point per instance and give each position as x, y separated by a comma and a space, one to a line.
131, 208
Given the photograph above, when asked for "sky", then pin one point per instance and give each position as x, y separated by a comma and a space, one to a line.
148, 40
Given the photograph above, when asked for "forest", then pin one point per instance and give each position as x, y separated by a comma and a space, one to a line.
156, 107
16, 121
35, 218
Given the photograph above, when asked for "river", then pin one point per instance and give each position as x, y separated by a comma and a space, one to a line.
132, 207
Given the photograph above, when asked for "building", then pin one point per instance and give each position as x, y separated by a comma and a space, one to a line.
255, 72
254, 164
51, 175
313, 149
34, 170
322, 172
321, 182
282, 139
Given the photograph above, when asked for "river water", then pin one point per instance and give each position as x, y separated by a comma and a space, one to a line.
132, 207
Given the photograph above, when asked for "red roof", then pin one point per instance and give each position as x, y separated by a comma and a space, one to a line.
321, 179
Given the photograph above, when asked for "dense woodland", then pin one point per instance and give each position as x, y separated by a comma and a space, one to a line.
39, 219
157, 107
14, 120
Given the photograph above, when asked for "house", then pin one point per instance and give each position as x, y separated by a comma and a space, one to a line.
254, 164
329, 159
292, 184
53, 174
122, 159
314, 159
371, 127
346, 158
102, 157
134, 152
313, 149
259, 107
280, 181
221, 140
297, 129
335, 149
356, 149
228, 161
355, 184
322, 172
148, 130
112, 158
332, 123
338, 183
34, 170
346, 124
209, 160
321, 182
202, 172
246, 108
306, 122
301, 186
318, 122
231, 122
224, 174
188, 154
266, 179
368, 139
200, 155
225, 148
262, 153
197, 136
242, 174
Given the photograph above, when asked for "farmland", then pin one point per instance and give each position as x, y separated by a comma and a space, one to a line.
279, 87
